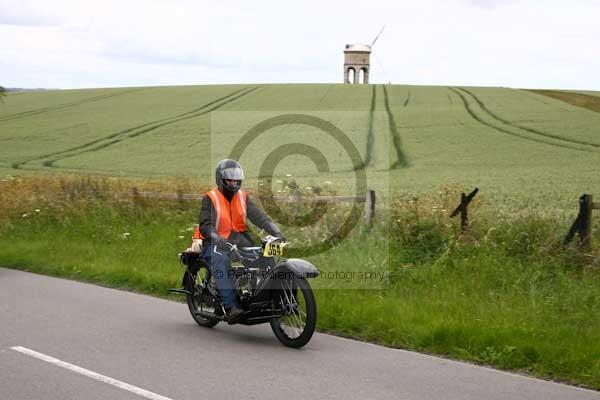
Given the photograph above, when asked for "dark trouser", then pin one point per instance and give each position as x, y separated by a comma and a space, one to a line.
220, 264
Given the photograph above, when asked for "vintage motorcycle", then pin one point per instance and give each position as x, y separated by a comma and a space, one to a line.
269, 289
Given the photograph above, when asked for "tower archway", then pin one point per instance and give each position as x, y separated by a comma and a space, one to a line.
350, 75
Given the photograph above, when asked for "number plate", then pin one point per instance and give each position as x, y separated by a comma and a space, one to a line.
273, 249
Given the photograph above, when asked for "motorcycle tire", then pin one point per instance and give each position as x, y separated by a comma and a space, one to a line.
305, 316
194, 301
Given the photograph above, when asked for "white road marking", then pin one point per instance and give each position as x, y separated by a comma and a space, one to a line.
91, 374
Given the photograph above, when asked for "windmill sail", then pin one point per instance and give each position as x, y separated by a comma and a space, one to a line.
377, 37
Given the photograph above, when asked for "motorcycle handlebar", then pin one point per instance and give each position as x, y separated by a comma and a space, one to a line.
234, 248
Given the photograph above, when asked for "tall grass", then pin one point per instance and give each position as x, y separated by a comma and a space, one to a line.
505, 294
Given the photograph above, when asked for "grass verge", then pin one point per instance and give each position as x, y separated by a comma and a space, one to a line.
504, 295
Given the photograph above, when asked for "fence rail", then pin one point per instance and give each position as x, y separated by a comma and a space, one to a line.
369, 198
582, 226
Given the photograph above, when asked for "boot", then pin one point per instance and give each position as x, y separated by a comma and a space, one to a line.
233, 314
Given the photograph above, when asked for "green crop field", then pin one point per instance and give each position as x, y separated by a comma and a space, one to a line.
510, 143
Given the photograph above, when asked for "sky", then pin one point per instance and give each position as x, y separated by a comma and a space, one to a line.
110, 43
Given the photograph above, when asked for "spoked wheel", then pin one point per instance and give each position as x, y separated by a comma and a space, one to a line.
297, 325
195, 303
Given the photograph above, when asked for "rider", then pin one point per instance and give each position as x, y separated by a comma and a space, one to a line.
223, 221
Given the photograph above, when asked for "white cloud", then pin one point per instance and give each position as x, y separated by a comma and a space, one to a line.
67, 43
25, 13
489, 4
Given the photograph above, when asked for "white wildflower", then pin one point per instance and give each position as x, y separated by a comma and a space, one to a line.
37, 210
181, 237
328, 182
25, 215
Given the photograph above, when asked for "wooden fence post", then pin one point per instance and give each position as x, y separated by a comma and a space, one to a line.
463, 209
585, 223
370, 207
135, 195
464, 213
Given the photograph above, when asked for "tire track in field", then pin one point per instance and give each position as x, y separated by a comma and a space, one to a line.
189, 115
30, 113
18, 165
526, 128
407, 99
370, 135
401, 157
503, 130
326, 94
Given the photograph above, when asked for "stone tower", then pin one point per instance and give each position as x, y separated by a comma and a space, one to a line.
356, 59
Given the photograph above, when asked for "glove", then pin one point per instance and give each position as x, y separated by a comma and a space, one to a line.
219, 241
271, 227
196, 246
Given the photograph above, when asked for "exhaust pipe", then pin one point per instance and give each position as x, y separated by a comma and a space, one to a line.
205, 314
181, 291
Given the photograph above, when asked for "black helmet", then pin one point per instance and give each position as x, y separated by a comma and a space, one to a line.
231, 170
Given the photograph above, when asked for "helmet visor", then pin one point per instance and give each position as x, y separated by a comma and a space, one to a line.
233, 173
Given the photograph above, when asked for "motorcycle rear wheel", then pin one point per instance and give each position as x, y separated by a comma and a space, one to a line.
298, 325
195, 304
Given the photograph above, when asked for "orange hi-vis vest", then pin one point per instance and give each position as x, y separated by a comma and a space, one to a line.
231, 216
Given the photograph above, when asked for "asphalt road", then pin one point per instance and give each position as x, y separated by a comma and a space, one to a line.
155, 345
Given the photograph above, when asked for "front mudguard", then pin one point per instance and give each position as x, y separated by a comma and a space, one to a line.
290, 269
301, 268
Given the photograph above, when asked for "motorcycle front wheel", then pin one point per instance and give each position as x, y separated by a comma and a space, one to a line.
297, 324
